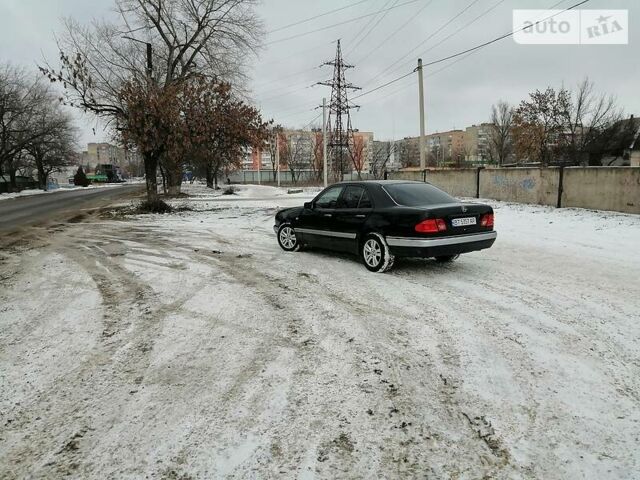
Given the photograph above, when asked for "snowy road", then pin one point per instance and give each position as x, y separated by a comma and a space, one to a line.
31, 207
191, 346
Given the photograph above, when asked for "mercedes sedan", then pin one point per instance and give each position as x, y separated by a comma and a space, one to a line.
381, 220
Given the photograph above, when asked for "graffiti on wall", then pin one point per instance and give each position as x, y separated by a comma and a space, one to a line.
503, 181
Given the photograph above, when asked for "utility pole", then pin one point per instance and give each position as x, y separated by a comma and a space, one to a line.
278, 158
324, 139
149, 55
150, 60
423, 162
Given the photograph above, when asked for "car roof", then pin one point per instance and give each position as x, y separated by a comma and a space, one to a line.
377, 182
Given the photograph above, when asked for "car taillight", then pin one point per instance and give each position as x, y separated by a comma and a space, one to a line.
487, 220
432, 225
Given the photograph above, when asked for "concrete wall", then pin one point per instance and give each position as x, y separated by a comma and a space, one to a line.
459, 183
599, 188
266, 176
522, 185
608, 188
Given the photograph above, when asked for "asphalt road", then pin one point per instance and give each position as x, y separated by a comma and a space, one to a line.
29, 210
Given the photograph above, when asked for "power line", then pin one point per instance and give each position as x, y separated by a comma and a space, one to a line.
463, 54
411, 83
442, 27
435, 72
472, 22
472, 49
466, 25
409, 20
284, 27
287, 58
455, 32
338, 24
311, 122
371, 20
502, 37
383, 85
279, 88
290, 92
291, 75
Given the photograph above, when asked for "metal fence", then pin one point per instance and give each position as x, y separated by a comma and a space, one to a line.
269, 177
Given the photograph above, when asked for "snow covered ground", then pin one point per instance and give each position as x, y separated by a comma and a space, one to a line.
190, 346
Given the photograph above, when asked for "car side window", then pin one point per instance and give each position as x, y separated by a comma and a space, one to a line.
351, 197
365, 201
329, 198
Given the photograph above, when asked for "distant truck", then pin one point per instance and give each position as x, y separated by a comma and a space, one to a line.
106, 173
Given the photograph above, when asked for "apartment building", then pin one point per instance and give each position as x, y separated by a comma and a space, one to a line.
303, 147
451, 148
477, 146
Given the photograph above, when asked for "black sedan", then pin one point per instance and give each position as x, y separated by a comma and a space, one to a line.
381, 220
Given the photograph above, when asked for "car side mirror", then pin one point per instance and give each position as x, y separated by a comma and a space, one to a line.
308, 205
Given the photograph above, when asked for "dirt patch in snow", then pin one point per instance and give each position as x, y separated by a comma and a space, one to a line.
190, 346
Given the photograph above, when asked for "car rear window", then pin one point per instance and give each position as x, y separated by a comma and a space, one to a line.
417, 194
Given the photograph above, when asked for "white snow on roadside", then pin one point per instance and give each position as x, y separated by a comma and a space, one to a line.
190, 346
28, 193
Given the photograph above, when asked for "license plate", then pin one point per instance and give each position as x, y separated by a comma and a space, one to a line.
463, 222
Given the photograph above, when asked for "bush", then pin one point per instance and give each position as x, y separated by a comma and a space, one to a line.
157, 206
80, 178
229, 191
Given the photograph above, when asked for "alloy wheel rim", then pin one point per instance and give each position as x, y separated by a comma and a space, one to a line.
372, 253
288, 237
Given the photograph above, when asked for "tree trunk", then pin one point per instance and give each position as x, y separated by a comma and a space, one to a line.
164, 178
174, 181
209, 174
13, 186
42, 176
150, 171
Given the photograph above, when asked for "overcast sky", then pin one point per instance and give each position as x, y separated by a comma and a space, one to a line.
458, 93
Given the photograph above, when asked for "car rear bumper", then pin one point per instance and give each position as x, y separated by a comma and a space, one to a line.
275, 228
441, 246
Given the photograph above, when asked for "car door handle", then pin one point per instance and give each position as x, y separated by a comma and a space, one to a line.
327, 215
360, 215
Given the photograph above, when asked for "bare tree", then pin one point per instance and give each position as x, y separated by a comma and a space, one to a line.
317, 160
187, 37
587, 118
53, 144
357, 155
35, 132
275, 133
539, 124
299, 154
500, 140
382, 153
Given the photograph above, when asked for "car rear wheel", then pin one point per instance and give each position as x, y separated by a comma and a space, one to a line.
375, 253
447, 258
287, 238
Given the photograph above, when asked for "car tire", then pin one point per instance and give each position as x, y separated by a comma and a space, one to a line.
287, 238
446, 258
375, 253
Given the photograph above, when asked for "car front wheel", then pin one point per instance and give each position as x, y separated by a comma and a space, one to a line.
375, 253
287, 238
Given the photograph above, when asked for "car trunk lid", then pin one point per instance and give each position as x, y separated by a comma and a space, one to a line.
460, 218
